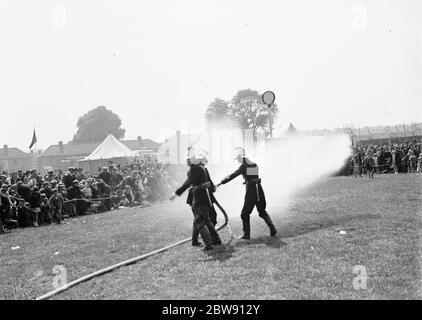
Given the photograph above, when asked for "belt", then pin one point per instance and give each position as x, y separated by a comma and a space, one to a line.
204, 185
257, 180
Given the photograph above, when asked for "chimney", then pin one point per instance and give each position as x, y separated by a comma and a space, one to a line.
6, 150
141, 145
61, 147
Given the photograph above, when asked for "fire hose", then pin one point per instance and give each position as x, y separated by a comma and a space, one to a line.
134, 260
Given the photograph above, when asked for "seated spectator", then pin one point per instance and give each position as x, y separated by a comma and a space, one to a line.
129, 194
124, 202
6, 209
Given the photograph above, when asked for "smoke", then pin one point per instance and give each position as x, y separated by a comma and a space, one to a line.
286, 167
297, 162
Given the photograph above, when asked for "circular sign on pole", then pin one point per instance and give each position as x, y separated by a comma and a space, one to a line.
268, 97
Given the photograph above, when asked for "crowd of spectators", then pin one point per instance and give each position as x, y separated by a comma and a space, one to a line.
31, 199
396, 157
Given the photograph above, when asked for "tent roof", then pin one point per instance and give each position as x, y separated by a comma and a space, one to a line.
110, 148
291, 130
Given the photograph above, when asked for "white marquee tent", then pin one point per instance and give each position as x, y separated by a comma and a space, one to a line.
111, 150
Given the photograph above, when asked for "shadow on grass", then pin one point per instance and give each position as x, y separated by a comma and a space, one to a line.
273, 242
292, 230
220, 253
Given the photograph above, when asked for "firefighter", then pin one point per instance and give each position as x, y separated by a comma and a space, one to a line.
200, 202
203, 160
254, 195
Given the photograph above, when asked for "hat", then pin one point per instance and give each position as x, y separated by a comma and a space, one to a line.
53, 181
202, 157
75, 181
240, 153
190, 154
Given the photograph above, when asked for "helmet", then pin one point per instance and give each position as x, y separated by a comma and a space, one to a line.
190, 156
202, 157
239, 153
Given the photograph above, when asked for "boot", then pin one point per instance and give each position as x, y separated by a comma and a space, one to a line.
195, 235
246, 229
214, 235
1, 227
270, 224
208, 247
205, 234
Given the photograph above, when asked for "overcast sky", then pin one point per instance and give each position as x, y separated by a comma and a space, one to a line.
158, 64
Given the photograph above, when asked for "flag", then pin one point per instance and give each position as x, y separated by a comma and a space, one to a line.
34, 140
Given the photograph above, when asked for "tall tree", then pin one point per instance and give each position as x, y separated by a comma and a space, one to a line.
246, 110
249, 112
218, 113
96, 124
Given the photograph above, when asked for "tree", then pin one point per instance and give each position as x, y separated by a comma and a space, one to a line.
218, 113
246, 110
96, 124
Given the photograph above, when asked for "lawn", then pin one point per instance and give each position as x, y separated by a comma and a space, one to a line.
310, 259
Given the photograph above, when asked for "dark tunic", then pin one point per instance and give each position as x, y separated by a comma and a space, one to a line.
196, 177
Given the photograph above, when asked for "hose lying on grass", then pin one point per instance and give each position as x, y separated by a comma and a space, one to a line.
133, 260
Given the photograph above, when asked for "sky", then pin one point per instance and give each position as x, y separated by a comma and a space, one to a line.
158, 64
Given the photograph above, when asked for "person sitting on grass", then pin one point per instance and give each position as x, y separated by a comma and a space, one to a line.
128, 193
124, 202
6, 209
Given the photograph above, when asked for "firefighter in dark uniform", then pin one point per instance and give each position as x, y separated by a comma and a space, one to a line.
201, 204
202, 158
254, 195
192, 161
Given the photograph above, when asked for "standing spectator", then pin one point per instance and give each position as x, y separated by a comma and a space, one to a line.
56, 202
69, 177
74, 192
35, 204
46, 189
32, 179
45, 210
116, 177
24, 191
49, 176
105, 176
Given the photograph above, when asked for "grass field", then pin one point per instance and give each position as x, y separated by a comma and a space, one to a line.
309, 260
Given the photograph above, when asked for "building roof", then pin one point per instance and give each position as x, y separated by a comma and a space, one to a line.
84, 149
147, 144
13, 153
70, 149
291, 130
